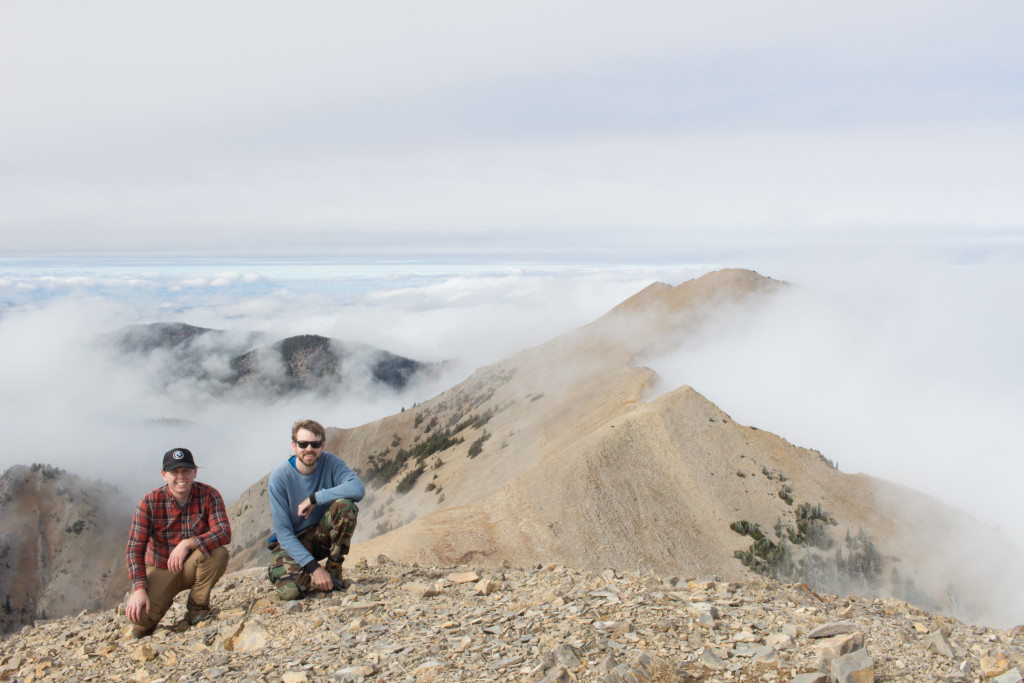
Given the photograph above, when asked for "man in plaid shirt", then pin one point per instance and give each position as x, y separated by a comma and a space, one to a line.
169, 525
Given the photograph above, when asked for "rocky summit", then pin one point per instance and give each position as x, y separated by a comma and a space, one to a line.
401, 622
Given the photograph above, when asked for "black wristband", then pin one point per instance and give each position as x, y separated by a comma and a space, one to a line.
312, 498
311, 566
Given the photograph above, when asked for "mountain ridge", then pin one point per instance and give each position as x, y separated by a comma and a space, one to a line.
566, 452
572, 451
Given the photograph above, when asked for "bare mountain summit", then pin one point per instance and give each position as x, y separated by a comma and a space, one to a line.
571, 452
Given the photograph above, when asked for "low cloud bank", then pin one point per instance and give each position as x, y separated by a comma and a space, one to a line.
68, 401
911, 374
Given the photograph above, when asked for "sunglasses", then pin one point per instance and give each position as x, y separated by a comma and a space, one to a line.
314, 444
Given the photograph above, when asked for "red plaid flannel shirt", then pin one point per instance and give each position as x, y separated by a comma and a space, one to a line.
160, 523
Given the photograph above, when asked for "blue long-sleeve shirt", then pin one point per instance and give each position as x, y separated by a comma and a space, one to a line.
331, 479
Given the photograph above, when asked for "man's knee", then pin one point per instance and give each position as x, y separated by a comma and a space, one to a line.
219, 557
288, 590
204, 568
286, 583
287, 578
341, 516
343, 506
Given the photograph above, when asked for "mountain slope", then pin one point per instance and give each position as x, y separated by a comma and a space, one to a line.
566, 452
62, 545
570, 452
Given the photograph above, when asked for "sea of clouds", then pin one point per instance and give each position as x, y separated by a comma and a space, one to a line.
908, 373
68, 401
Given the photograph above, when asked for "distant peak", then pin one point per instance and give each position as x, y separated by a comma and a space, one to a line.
731, 283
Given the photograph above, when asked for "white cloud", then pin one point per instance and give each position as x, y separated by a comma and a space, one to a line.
908, 373
68, 403
237, 128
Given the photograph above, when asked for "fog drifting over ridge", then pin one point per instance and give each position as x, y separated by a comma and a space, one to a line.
908, 373
67, 403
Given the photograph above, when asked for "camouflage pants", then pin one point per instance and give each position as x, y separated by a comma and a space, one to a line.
330, 538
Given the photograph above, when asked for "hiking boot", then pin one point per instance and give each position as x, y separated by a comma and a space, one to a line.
334, 569
194, 612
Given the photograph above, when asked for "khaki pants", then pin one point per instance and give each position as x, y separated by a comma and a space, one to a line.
200, 573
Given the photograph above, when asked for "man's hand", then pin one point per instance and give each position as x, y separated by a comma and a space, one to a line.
322, 580
138, 605
305, 507
176, 560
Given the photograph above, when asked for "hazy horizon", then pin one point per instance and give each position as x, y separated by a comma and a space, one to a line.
560, 130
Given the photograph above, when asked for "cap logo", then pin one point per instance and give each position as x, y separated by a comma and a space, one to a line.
178, 455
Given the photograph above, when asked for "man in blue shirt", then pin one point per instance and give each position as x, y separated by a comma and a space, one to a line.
313, 499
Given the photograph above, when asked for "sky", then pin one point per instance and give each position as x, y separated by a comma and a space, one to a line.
564, 130
458, 180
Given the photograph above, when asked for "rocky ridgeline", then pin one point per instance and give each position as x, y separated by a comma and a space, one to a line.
410, 623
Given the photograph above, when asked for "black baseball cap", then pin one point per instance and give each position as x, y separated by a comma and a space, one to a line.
178, 457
